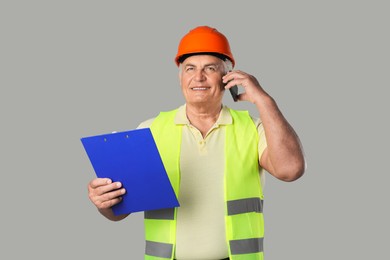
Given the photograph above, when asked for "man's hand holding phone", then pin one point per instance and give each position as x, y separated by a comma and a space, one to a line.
252, 91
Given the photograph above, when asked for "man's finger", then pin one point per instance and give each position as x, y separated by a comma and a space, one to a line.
95, 183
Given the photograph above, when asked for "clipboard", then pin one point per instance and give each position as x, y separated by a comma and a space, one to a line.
132, 158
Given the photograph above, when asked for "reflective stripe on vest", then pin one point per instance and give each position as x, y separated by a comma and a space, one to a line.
160, 214
243, 193
158, 249
244, 206
246, 246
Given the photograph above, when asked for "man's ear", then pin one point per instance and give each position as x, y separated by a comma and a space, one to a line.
179, 72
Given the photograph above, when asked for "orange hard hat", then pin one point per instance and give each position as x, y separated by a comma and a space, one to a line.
204, 39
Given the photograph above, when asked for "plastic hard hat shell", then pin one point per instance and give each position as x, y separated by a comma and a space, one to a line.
204, 39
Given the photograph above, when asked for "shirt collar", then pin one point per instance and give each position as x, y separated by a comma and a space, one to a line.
224, 118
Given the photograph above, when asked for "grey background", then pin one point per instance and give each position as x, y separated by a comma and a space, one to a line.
75, 68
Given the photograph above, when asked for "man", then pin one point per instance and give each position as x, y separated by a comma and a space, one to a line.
214, 157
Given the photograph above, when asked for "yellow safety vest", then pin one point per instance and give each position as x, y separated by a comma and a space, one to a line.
243, 193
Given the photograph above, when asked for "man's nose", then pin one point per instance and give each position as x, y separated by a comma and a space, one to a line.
200, 75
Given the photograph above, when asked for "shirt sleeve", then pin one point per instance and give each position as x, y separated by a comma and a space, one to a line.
262, 140
145, 124
261, 146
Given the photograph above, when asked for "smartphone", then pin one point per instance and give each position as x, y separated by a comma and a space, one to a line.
234, 92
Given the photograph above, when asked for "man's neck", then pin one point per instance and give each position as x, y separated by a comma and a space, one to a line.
203, 117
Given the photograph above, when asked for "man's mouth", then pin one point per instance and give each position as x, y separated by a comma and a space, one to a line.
200, 88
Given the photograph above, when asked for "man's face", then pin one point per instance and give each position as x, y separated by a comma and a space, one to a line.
201, 79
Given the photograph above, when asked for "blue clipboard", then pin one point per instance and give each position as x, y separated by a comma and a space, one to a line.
132, 158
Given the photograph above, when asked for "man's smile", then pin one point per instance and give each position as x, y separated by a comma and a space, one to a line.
200, 88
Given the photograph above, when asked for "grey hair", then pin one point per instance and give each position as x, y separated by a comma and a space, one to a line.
227, 66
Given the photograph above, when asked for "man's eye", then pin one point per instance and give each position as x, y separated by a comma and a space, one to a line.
189, 69
211, 68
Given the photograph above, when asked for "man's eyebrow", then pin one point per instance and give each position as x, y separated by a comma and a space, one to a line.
212, 64
206, 65
189, 65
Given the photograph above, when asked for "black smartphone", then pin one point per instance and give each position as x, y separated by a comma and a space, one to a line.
234, 92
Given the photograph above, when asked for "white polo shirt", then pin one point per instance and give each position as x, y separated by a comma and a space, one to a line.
201, 215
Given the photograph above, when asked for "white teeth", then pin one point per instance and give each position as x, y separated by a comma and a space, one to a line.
199, 88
